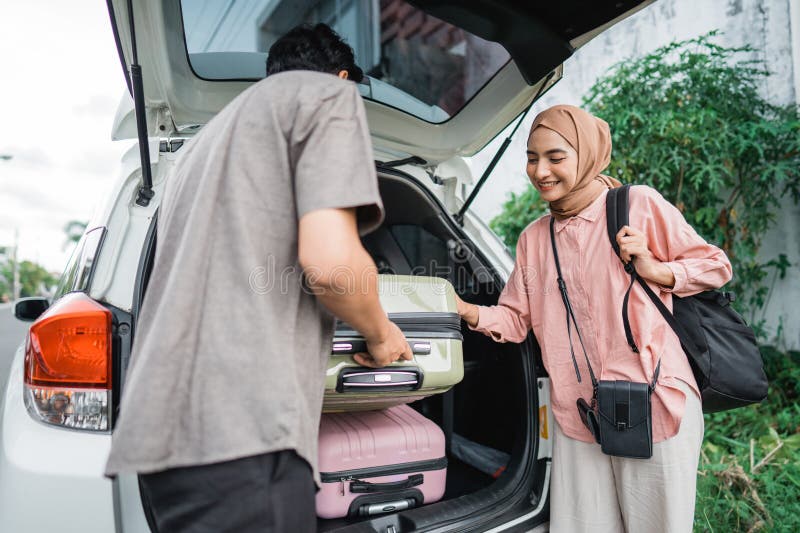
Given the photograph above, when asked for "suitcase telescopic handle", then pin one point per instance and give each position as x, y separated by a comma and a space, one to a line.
363, 487
353, 347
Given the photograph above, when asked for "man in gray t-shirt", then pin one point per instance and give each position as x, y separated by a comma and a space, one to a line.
258, 226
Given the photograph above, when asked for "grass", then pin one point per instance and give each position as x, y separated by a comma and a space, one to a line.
749, 474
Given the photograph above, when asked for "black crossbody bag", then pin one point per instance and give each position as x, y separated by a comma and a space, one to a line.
619, 415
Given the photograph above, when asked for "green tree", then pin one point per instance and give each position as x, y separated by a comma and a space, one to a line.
518, 211
34, 279
5, 289
688, 119
74, 231
5, 282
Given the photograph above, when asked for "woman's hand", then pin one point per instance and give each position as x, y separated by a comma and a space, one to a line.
633, 247
469, 312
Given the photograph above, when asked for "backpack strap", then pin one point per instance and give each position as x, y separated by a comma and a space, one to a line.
676, 326
616, 213
616, 218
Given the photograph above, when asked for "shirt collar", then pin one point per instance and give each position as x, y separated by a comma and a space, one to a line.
590, 214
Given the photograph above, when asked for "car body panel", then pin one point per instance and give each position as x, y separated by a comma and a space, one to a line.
516, 524
127, 224
545, 420
51, 479
128, 505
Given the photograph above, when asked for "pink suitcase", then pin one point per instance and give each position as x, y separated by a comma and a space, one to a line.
374, 462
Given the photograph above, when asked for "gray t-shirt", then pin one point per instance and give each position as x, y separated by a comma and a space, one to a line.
230, 352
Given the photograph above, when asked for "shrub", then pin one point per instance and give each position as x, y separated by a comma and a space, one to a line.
688, 120
749, 474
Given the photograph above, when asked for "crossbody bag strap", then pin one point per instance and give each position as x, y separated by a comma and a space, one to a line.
562, 287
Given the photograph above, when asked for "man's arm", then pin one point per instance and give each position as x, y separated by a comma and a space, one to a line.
344, 278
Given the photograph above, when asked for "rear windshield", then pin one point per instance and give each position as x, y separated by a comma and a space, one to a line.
412, 61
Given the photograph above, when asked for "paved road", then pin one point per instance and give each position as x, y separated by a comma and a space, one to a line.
12, 332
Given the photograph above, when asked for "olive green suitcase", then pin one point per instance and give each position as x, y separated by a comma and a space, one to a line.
425, 310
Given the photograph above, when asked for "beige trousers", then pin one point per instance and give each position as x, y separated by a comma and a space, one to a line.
594, 492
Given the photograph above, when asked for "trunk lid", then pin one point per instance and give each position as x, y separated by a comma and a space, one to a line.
443, 77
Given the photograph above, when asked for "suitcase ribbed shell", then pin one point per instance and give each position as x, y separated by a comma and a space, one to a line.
388, 439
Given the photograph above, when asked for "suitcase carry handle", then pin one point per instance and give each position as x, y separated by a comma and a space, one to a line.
362, 487
354, 347
372, 504
387, 379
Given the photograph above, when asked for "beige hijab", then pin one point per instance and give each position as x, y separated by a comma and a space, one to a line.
591, 139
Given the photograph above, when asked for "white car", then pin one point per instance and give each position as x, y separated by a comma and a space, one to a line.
437, 90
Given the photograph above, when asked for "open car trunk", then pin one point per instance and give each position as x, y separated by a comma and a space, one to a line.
426, 101
492, 410
489, 418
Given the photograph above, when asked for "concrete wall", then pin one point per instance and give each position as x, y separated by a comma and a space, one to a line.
770, 26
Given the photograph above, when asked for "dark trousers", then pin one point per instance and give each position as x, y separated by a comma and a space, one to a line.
273, 492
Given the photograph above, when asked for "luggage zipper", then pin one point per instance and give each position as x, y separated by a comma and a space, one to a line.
342, 482
379, 471
427, 321
433, 325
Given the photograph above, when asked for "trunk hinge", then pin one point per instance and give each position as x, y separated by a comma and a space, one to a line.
146, 192
459, 217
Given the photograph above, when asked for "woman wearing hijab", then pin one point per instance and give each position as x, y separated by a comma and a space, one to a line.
590, 491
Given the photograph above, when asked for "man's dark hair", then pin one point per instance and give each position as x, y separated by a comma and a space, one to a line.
317, 47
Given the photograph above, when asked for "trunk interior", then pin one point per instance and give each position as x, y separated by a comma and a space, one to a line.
491, 412
490, 407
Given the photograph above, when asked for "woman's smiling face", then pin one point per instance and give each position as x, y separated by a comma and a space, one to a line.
552, 164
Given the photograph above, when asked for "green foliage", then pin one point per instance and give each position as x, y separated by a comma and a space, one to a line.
34, 279
689, 121
518, 211
74, 230
749, 475
5, 282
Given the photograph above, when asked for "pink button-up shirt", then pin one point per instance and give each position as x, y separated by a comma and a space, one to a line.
596, 283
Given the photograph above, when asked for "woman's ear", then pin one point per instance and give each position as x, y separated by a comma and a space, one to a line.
343, 74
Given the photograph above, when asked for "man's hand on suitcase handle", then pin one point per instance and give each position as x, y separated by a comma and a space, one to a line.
389, 347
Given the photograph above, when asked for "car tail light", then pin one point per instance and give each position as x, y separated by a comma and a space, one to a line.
68, 365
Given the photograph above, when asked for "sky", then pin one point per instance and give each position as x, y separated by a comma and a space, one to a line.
62, 81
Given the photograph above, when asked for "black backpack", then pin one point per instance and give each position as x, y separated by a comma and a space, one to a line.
721, 347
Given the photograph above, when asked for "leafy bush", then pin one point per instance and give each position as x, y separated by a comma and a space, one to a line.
34, 279
749, 476
518, 211
688, 120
